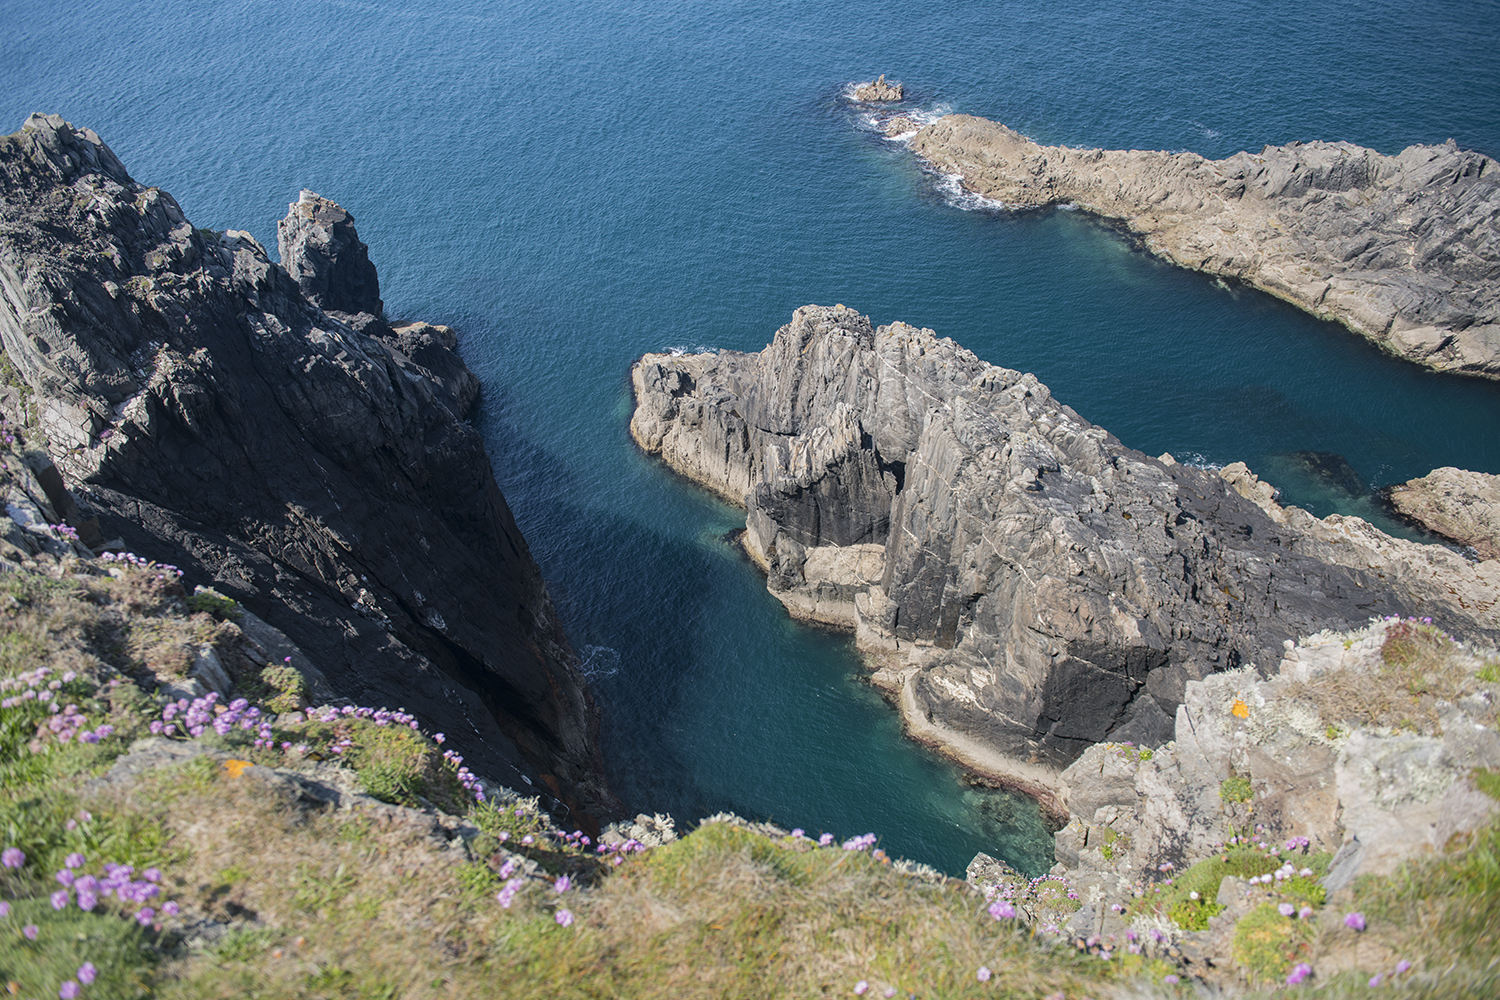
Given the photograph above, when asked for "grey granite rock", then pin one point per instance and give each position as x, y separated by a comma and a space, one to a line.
1041, 587
878, 91
1403, 249
1454, 503
312, 463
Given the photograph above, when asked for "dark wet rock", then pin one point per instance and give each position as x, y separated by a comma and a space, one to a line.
311, 462
1402, 249
1028, 585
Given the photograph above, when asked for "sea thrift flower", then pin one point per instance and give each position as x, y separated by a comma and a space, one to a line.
12, 857
861, 988
563, 884
1002, 910
86, 973
1376, 980
798, 833
983, 974
1170, 980
1402, 966
74, 860
60, 899
1355, 921
564, 918
4, 909
170, 909
825, 840
145, 915
1304, 913
1286, 909
30, 931
68, 990
1298, 974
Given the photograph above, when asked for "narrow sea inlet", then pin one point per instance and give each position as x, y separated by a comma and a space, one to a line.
573, 185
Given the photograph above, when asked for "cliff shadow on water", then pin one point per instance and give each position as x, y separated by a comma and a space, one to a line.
712, 699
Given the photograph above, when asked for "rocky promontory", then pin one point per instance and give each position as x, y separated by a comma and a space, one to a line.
1403, 249
1027, 585
1458, 504
265, 428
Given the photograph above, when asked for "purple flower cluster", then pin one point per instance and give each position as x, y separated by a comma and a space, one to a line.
163, 570
861, 843
467, 778
1299, 973
70, 722
201, 714
621, 850
1001, 909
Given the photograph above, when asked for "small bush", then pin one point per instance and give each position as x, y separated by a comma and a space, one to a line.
216, 604
1267, 945
1236, 789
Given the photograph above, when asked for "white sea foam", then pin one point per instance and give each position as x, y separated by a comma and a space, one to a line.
1198, 461
598, 662
954, 193
683, 349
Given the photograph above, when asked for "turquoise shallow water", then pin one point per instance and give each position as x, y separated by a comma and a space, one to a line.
572, 184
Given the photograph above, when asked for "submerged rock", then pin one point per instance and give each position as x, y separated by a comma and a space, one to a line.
1401, 249
1026, 584
1454, 503
273, 436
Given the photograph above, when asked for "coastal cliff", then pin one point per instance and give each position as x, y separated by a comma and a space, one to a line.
266, 429
1401, 249
1027, 585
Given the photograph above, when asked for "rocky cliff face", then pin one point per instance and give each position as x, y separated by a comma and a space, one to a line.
1454, 503
1402, 249
1027, 584
264, 428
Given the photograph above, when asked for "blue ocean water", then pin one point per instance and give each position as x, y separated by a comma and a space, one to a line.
573, 184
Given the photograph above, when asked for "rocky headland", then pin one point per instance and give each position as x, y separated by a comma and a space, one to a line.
1026, 585
266, 429
1458, 504
1401, 249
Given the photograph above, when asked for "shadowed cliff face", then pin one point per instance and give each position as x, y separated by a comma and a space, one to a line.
313, 464
1034, 583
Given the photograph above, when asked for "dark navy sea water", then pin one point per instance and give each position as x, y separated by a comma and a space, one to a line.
572, 184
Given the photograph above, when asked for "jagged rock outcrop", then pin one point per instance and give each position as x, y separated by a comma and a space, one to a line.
1403, 249
878, 91
312, 463
1308, 766
1028, 585
1455, 503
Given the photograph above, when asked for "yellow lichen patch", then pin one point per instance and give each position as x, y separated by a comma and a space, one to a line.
1239, 709
236, 767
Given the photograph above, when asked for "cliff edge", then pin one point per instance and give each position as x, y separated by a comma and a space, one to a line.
273, 435
1403, 249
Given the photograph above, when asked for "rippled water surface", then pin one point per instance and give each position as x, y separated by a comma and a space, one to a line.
573, 184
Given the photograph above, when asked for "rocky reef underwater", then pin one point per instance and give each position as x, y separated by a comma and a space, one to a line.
242, 505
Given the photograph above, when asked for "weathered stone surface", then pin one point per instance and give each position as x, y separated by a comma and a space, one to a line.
1043, 587
1457, 504
312, 463
1402, 249
1373, 796
878, 91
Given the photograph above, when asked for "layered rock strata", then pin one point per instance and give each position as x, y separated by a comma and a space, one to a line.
264, 428
1371, 796
1027, 585
1403, 249
1455, 503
